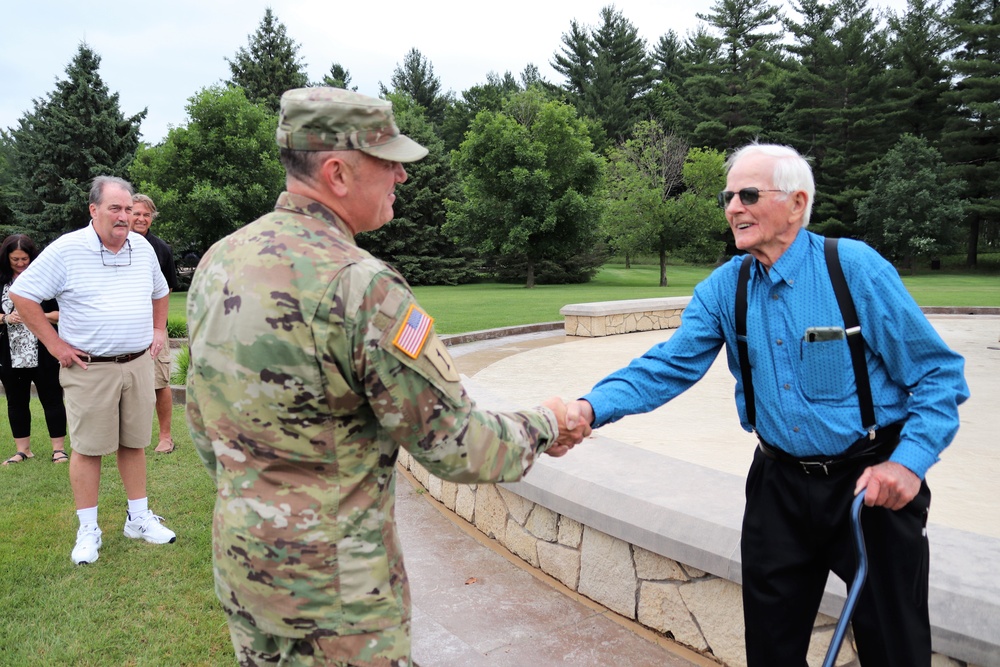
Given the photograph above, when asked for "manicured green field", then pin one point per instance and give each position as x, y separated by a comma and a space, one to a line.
465, 308
139, 604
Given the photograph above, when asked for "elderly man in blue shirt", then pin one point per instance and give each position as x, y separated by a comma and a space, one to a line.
803, 402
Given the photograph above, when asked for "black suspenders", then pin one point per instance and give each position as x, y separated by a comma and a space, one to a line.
855, 340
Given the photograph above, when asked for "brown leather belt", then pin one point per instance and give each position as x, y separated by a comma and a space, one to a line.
118, 359
882, 444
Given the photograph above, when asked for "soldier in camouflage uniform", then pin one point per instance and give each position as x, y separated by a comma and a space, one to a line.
311, 364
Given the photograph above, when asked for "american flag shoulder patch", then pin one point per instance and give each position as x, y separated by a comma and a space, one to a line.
413, 334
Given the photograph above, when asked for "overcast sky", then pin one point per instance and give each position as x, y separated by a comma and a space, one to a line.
156, 55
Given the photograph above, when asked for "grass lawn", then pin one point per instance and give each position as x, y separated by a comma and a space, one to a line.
465, 308
139, 604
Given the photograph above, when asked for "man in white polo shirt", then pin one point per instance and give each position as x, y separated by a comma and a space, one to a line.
113, 303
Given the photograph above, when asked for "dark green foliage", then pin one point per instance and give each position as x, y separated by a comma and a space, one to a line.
413, 241
971, 140
607, 72
76, 133
269, 65
913, 209
214, 174
416, 78
338, 77
489, 96
7, 176
731, 93
530, 186
837, 114
917, 77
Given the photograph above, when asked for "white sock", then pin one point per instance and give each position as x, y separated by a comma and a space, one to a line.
87, 517
137, 507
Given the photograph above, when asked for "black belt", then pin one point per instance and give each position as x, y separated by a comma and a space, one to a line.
118, 359
882, 444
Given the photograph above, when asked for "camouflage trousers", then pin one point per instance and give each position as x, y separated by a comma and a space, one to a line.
386, 648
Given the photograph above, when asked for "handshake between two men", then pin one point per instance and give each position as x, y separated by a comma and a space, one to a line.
574, 418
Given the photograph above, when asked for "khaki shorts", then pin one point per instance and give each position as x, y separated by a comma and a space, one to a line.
386, 648
161, 369
109, 405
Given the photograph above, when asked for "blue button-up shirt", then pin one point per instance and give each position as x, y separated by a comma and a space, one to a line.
806, 395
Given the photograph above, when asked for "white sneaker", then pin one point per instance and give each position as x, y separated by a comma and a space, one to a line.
88, 541
147, 526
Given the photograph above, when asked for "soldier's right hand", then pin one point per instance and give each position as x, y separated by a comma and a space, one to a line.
572, 430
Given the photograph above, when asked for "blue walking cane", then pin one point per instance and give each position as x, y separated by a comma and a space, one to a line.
856, 585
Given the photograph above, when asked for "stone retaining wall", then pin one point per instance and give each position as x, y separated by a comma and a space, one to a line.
697, 609
700, 610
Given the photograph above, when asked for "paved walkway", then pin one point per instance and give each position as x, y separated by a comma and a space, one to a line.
476, 605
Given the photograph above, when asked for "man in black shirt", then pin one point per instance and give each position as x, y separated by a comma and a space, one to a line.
143, 213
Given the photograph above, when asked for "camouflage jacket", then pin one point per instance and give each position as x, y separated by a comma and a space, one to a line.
301, 388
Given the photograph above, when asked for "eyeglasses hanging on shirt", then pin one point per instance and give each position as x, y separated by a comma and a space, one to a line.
117, 259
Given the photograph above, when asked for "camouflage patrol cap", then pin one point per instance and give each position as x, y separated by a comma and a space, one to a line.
333, 119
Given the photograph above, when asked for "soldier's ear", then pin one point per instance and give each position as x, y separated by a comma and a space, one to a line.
335, 174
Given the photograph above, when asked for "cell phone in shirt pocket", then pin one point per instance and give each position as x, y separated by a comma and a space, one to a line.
825, 373
824, 334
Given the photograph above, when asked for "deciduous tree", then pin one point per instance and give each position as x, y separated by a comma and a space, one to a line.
215, 173
530, 182
913, 209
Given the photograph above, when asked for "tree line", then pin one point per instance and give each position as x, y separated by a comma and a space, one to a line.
537, 181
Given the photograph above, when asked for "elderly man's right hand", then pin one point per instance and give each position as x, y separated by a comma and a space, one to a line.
572, 430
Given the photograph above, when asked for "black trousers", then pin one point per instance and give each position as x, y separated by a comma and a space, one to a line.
796, 529
17, 387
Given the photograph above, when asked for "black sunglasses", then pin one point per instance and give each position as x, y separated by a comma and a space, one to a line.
748, 196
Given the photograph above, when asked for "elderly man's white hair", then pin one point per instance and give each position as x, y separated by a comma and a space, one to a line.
791, 171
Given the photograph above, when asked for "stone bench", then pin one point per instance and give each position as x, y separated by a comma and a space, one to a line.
607, 318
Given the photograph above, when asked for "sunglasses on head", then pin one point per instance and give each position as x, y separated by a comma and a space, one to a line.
748, 196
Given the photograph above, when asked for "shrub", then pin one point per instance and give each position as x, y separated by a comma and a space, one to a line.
177, 327
181, 361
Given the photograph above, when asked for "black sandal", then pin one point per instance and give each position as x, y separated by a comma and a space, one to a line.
59, 456
19, 457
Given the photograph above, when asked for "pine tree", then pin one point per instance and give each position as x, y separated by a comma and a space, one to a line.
6, 184
413, 241
836, 112
917, 78
269, 65
339, 77
607, 70
971, 141
76, 133
733, 101
415, 77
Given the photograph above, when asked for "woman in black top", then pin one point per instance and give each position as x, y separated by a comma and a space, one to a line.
23, 360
